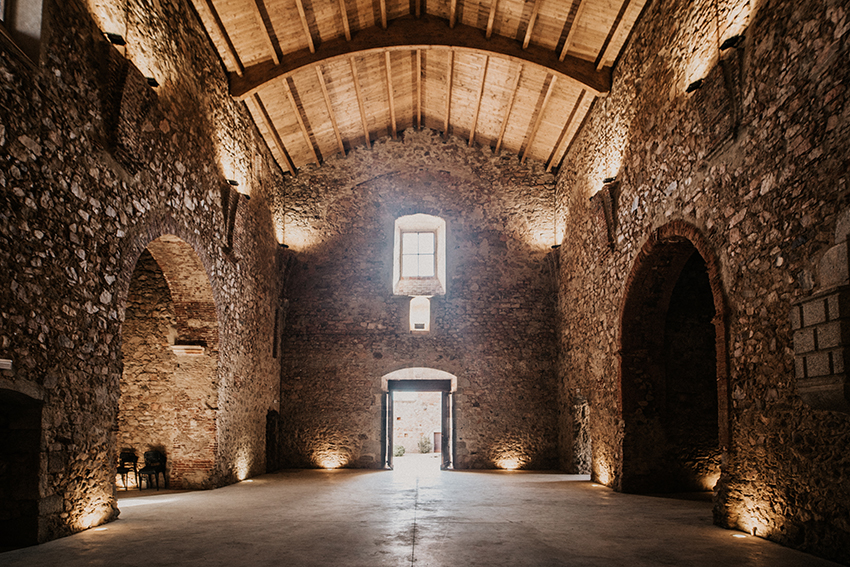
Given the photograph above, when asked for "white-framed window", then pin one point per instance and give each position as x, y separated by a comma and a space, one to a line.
419, 256
21, 22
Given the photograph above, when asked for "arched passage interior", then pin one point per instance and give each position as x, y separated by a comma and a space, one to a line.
672, 366
169, 388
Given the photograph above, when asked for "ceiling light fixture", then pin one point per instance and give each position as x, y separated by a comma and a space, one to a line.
152, 82
734, 41
115, 39
696, 85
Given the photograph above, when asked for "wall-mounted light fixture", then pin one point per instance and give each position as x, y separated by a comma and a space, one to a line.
233, 182
115, 39
152, 82
734, 41
608, 180
284, 246
696, 85
555, 246
5, 364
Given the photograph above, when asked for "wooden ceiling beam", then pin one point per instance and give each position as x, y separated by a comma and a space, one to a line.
607, 47
491, 19
360, 101
418, 89
453, 14
303, 16
329, 106
345, 24
384, 14
531, 20
260, 110
450, 71
539, 120
255, 4
514, 89
478, 102
582, 4
409, 33
231, 51
562, 138
300, 119
388, 68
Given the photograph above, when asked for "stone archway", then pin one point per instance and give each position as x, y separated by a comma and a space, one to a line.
170, 347
673, 369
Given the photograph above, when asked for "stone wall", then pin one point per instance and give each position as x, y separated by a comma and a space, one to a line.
755, 164
416, 415
493, 329
95, 164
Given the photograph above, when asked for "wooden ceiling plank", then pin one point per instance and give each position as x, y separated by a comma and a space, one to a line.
492, 18
388, 67
231, 51
409, 33
616, 28
478, 103
450, 64
264, 116
321, 77
540, 112
561, 139
345, 25
360, 101
300, 119
384, 14
582, 4
303, 15
255, 4
418, 89
514, 89
531, 20
453, 14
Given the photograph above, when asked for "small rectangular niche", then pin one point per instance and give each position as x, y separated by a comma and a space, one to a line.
420, 314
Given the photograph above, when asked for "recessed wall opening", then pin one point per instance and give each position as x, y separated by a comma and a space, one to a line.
669, 374
169, 391
20, 458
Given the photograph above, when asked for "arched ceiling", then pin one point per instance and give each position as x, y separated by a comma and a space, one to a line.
322, 76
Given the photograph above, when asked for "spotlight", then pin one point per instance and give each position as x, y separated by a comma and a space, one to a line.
555, 246
734, 41
608, 180
233, 182
284, 246
152, 82
115, 39
696, 85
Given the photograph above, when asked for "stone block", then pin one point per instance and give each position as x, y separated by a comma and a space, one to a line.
814, 312
796, 317
828, 335
833, 267
838, 357
804, 341
842, 226
800, 367
817, 364
825, 393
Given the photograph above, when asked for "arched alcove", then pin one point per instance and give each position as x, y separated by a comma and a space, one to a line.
673, 366
170, 347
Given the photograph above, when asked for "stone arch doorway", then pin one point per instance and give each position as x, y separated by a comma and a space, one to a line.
20, 462
673, 372
170, 348
419, 380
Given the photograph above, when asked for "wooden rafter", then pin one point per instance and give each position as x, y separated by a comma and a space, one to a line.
384, 14
608, 46
539, 120
429, 34
562, 138
453, 13
306, 25
390, 98
300, 119
450, 66
344, 15
231, 51
329, 106
531, 20
492, 18
478, 102
255, 4
514, 89
264, 117
573, 29
360, 101
418, 89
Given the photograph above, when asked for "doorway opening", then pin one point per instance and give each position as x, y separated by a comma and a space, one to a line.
672, 371
169, 388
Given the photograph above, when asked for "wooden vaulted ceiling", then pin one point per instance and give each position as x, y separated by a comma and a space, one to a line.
322, 76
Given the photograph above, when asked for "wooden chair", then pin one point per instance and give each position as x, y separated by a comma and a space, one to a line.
154, 466
128, 463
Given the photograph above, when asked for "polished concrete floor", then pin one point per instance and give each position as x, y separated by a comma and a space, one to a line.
414, 515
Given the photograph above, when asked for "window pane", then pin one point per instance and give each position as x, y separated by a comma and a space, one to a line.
426, 266
426, 242
409, 266
409, 242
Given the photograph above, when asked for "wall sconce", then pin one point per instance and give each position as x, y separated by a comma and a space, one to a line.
555, 246
233, 182
283, 246
5, 364
734, 41
115, 39
152, 82
696, 85
608, 180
